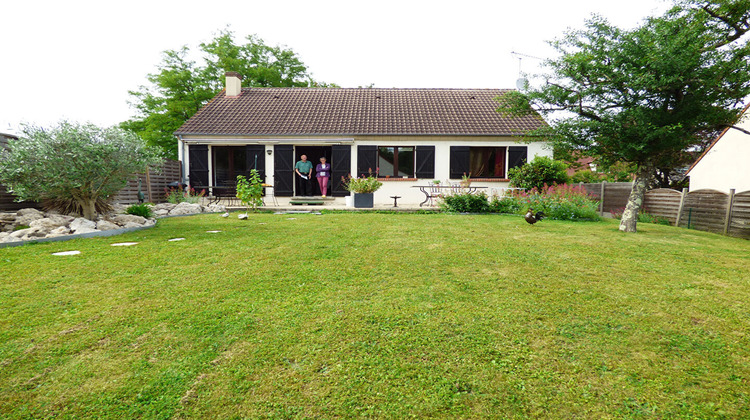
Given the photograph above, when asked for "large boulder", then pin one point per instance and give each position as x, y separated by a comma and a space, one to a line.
163, 206
52, 221
106, 225
5, 237
124, 219
24, 217
216, 208
81, 225
29, 233
7, 222
185, 208
161, 212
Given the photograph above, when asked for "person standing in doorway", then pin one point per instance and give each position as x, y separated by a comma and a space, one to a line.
323, 173
304, 171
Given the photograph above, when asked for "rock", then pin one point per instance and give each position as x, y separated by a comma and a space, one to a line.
131, 225
185, 208
4, 235
81, 225
27, 212
20, 233
30, 233
123, 219
164, 206
161, 212
60, 231
106, 225
52, 221
216, 208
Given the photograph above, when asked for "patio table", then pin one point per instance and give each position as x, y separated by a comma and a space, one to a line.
433, 191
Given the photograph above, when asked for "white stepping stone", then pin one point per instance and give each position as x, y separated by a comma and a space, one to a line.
124, 244
176, 239
261, 223
291, 218
67, 253
213, 231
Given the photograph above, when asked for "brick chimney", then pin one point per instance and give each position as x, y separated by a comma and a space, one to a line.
234, 83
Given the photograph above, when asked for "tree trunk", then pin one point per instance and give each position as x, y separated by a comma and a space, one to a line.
635, 201
88, 207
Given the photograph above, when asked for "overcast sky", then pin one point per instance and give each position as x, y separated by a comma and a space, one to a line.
78, 59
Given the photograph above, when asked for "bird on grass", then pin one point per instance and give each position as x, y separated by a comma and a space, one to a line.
532, 218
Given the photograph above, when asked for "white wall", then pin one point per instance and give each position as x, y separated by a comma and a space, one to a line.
727, 164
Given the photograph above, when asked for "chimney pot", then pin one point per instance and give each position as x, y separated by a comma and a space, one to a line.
233, 83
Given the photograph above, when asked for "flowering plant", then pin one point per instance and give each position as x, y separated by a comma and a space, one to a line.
363, 185
178, 195
561, 202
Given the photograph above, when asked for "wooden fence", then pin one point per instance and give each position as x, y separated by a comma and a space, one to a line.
708, 210
611, 195
153, 184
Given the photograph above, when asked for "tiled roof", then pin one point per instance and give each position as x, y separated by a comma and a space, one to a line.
362, 111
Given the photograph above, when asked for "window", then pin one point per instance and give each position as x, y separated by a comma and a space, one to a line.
487, 162
396, 161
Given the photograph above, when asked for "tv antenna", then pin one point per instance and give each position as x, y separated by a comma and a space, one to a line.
522, 82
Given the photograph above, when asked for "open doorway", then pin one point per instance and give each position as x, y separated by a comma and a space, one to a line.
314, 153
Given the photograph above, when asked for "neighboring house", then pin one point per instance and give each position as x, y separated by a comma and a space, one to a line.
413, 136
724, 164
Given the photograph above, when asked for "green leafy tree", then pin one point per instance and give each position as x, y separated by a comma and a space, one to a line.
539, 172
645, 96
250, 190
79, 163
181, 86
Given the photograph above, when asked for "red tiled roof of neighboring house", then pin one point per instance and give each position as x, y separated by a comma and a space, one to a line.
361, 111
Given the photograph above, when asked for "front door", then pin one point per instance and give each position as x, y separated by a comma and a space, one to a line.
313, 153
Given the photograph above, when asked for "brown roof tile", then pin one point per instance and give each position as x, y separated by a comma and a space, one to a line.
363, 111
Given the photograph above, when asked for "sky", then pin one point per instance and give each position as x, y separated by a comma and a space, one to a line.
77, 60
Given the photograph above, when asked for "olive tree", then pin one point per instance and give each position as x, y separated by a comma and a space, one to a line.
79, 163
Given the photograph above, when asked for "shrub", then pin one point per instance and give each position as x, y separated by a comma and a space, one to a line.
465, 203
539, 172
507, 204
178, 195
559, 202
143, 210
587, 177
250, 191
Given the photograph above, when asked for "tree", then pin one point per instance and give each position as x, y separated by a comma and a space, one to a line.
645, 96
181, 86
78, 163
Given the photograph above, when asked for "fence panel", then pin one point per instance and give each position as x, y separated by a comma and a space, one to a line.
663, 202
704, 210
170, 172
740, 217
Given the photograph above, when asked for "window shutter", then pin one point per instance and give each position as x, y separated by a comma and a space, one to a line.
341, 166
425, 162
198, 171
516, 156
255, 154
367, 160
283, 170
459, 162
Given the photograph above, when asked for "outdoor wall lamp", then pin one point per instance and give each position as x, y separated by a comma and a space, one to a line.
269, 151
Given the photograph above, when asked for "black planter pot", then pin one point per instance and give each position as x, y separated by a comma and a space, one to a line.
363, 200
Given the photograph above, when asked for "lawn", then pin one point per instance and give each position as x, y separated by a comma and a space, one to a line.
378, 315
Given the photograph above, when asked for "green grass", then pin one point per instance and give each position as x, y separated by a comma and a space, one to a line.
378, 315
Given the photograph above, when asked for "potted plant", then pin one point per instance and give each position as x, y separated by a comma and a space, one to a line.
363, 189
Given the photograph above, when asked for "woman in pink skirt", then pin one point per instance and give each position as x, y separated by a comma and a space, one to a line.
323, 171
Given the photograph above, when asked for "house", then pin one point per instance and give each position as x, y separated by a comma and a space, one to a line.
411, 136
723, 165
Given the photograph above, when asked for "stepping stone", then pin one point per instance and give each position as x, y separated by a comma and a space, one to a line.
261, 223
291, 218
67, 253
213, 231
124, 244
176, 239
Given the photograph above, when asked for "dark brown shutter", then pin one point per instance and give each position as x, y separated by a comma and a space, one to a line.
341, 166
459, 162
425, 162
255, 154
283, 170
516, 156
198, 171
367, 160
